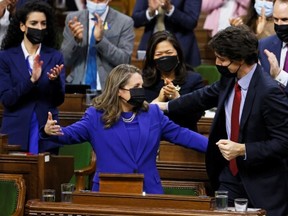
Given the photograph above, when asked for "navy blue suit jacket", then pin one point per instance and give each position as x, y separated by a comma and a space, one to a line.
181, 23
20, 97
114, 150
263, 129
273, 44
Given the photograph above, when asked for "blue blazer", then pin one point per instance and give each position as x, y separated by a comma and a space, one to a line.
20, 97
263, 129
114, 150
181, 23
273, 44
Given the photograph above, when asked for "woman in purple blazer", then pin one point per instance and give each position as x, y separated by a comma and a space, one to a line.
30, 80
124, 130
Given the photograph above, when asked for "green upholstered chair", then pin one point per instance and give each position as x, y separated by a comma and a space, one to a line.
184, 188
12, 194
208, 72
84, 163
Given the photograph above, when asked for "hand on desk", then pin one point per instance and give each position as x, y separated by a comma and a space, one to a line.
51, 128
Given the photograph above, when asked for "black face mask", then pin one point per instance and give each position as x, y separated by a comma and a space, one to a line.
167, 63
224, 71
282, 32
36, 36
137, 96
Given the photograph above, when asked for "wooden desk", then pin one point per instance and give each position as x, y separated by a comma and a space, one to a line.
116, 204
39, 171
179, 163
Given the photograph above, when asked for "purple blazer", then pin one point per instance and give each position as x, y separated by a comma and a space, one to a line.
113, 148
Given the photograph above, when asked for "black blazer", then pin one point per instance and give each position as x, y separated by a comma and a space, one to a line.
263, 129
192, 82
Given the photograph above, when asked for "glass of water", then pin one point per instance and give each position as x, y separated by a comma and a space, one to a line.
66, 192
48, 195
241, 204
221, 200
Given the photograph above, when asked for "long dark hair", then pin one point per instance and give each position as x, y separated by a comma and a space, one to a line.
14, 35
109, 100
251, 18
151, 75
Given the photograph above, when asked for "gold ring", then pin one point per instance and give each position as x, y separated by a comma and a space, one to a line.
170, 96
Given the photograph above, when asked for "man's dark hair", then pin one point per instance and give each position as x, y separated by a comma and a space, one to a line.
236, 43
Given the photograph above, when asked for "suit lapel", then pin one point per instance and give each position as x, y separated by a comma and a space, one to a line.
19, 60
276, 45
122, 133
224, 95
249, 101
45, 56
144, 127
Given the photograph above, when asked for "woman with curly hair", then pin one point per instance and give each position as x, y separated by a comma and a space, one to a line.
30, 80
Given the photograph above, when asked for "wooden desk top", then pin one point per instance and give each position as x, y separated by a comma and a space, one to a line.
36, 207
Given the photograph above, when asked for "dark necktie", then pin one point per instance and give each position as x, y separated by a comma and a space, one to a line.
285, 68
235, 124
91, 68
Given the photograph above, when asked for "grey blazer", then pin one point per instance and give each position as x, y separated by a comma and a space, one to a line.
115, 48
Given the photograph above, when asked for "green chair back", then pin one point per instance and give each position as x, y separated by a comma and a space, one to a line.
82, 156
184, 188
209, 73
181, 191
8, 197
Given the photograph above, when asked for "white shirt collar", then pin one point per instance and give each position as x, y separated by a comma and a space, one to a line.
26, 54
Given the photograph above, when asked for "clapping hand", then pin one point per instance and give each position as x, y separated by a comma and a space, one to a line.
55, 72
261, 22
76, 28
51, 128
37, 69
274, 65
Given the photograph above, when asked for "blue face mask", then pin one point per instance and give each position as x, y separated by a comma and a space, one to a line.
98, 8
267, 5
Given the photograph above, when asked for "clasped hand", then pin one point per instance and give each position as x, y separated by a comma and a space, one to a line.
51, 128
155, 4
230, 149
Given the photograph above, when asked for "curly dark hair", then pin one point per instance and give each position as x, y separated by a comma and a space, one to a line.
151, 75
14, 35
236, 43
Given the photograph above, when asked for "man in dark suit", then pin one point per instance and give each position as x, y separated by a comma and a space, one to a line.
262, 141
180, 18
273, 49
